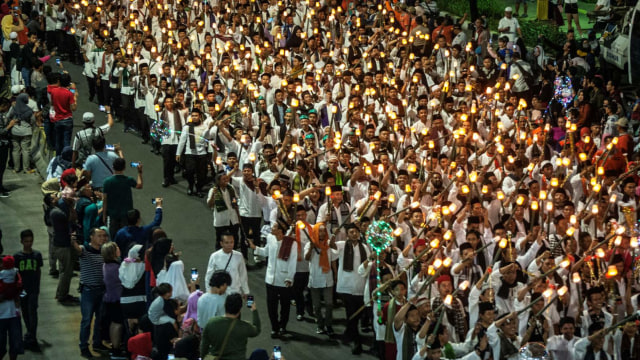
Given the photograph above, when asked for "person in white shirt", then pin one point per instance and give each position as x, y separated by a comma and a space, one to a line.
282, 252
509, 25
350, 284
250, 203
194, 144
561, 346
172, 121
592, 347
211, 304
231, 261
223, 200
626, 341
321, 260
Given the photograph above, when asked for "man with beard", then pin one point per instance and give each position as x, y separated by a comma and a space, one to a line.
196, 153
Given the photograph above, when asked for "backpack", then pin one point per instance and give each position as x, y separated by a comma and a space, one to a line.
86, 143
526, 76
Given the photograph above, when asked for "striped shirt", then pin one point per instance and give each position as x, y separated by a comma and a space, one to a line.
91, 267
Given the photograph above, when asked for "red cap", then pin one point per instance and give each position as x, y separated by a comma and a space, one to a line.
420, 242
442, 278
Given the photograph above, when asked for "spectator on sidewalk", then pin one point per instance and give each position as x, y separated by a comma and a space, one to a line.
92, 290
83, 142
29, 262
134, 233
64, 100
62, 216
226, 336
117, 196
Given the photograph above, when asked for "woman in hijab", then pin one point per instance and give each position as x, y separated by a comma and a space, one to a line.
173, 274
295, 40
21, 133
60, 163
133, 299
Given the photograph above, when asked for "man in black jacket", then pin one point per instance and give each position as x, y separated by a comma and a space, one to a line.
30, 53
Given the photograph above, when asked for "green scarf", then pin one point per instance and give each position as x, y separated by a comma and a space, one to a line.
125, 77
389, 338
219, 203
448, 351
409, 346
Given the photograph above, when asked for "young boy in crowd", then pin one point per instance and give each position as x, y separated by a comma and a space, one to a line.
29, 263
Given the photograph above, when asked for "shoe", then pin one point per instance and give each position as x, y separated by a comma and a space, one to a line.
189, 192
283, 331
33, 346
200, 194
30, 171
356, 349
4, 194
145, 142
100, 348
524, 15
330, 331
69, 300
274, 334
85, 353
54, 273
90, 98
165, 184
299, 318
319, 330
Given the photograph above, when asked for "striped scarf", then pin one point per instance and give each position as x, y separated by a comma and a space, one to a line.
218, 200
455, 315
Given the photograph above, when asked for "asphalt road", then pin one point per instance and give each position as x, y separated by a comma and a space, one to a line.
187, 220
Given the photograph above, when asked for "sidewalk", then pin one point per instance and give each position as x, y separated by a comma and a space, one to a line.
57, 325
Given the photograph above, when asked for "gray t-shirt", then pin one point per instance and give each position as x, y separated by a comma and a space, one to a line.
100, 164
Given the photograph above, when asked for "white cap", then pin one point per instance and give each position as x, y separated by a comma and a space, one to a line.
508, 9
13, 35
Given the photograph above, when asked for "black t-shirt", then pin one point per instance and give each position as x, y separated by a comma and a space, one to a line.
29, 266
61, 230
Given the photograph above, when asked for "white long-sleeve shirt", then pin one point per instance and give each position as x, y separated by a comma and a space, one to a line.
580, 350
236, 269
279, 271
350, 282
560, 347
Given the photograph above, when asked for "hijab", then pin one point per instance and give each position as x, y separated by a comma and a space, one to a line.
131, 269
160, 250
192, 306
21, 109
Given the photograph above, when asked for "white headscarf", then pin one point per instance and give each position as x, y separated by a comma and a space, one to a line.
175, 277
131, 269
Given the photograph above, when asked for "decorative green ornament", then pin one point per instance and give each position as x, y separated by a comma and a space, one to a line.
379, 236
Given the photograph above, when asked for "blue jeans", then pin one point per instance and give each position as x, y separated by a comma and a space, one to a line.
63, 130
26, 76
90, 302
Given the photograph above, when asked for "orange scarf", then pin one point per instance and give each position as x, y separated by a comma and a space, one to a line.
323, 246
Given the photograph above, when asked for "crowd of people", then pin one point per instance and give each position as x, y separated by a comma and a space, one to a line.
460, 194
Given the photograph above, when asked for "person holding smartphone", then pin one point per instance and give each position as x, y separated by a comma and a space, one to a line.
118, 199
83, 141
225, 337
